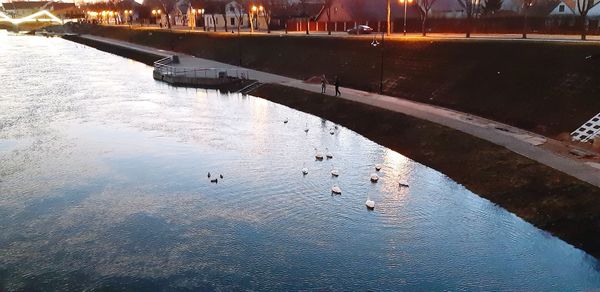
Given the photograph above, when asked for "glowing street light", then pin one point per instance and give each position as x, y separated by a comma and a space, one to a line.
406, 2
255, 10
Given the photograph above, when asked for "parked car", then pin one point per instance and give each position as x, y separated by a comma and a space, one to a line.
360, 29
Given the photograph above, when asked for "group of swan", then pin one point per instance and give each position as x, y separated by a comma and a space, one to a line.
335, 189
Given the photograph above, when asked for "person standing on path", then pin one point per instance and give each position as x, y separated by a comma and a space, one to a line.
337, 86
323, 84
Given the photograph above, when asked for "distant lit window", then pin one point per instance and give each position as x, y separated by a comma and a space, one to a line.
232, 20
561, 8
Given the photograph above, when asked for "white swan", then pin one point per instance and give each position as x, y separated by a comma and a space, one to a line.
328, 154
335, 172
318, 154
378, 167
336, 190
374, 177
304, 169
370, 203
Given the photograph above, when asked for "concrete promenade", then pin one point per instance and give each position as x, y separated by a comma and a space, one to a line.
396, 36
536, 147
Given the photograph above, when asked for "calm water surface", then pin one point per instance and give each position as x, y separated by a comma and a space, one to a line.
103, 184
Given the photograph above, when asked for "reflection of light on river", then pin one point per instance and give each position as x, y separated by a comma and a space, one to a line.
397, 168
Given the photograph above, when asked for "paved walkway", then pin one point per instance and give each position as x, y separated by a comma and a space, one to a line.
537, 37
533, 146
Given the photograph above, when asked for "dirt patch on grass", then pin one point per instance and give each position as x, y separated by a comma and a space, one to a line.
545, 197
545, 87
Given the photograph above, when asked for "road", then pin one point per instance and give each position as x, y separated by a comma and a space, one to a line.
533, 146
394, 36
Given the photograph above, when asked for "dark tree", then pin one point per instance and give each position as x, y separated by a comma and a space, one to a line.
212, 8
583, 7
423, 7
303, 4
527, 4
327, 7
469, 7
490, 7
168, 7
269, 6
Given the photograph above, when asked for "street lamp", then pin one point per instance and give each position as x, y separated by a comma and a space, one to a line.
260, 9
405, 2
375, 43
192, 19
128, 14
201, 10
252, 11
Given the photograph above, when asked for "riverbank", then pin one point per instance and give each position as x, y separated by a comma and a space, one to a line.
147, 58
545, 197
545, 87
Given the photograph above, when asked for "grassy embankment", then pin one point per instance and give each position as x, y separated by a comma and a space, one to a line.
546, 87
543, 196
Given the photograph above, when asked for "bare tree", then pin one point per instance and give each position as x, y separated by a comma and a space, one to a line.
527, 4
583, 7
269, 6
168, 6
283, 11
222, 8
469, 6
303, 4
327, 7
424, 6
239, 14
212, 8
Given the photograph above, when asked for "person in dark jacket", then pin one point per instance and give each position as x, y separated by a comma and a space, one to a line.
337, 86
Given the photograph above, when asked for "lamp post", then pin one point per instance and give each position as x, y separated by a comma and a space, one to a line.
154, 15
252, 11
375, 43
128, 14
192, 19
260, 10
405, 2
159, 13
201, 10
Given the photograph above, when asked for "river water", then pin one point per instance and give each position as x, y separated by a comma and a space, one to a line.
103, 184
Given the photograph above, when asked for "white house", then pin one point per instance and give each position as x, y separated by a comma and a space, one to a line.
564, 8
234, 13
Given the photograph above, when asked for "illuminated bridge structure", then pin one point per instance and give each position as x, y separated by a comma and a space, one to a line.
40, 16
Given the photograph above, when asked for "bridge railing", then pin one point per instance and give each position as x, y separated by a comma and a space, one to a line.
164, 67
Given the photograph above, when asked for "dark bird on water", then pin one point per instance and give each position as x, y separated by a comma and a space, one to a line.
221, 176
214, 180
209, 175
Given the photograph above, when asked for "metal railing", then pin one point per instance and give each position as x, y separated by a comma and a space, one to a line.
164, 68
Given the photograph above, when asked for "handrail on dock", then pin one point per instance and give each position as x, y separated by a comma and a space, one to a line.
164, 68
